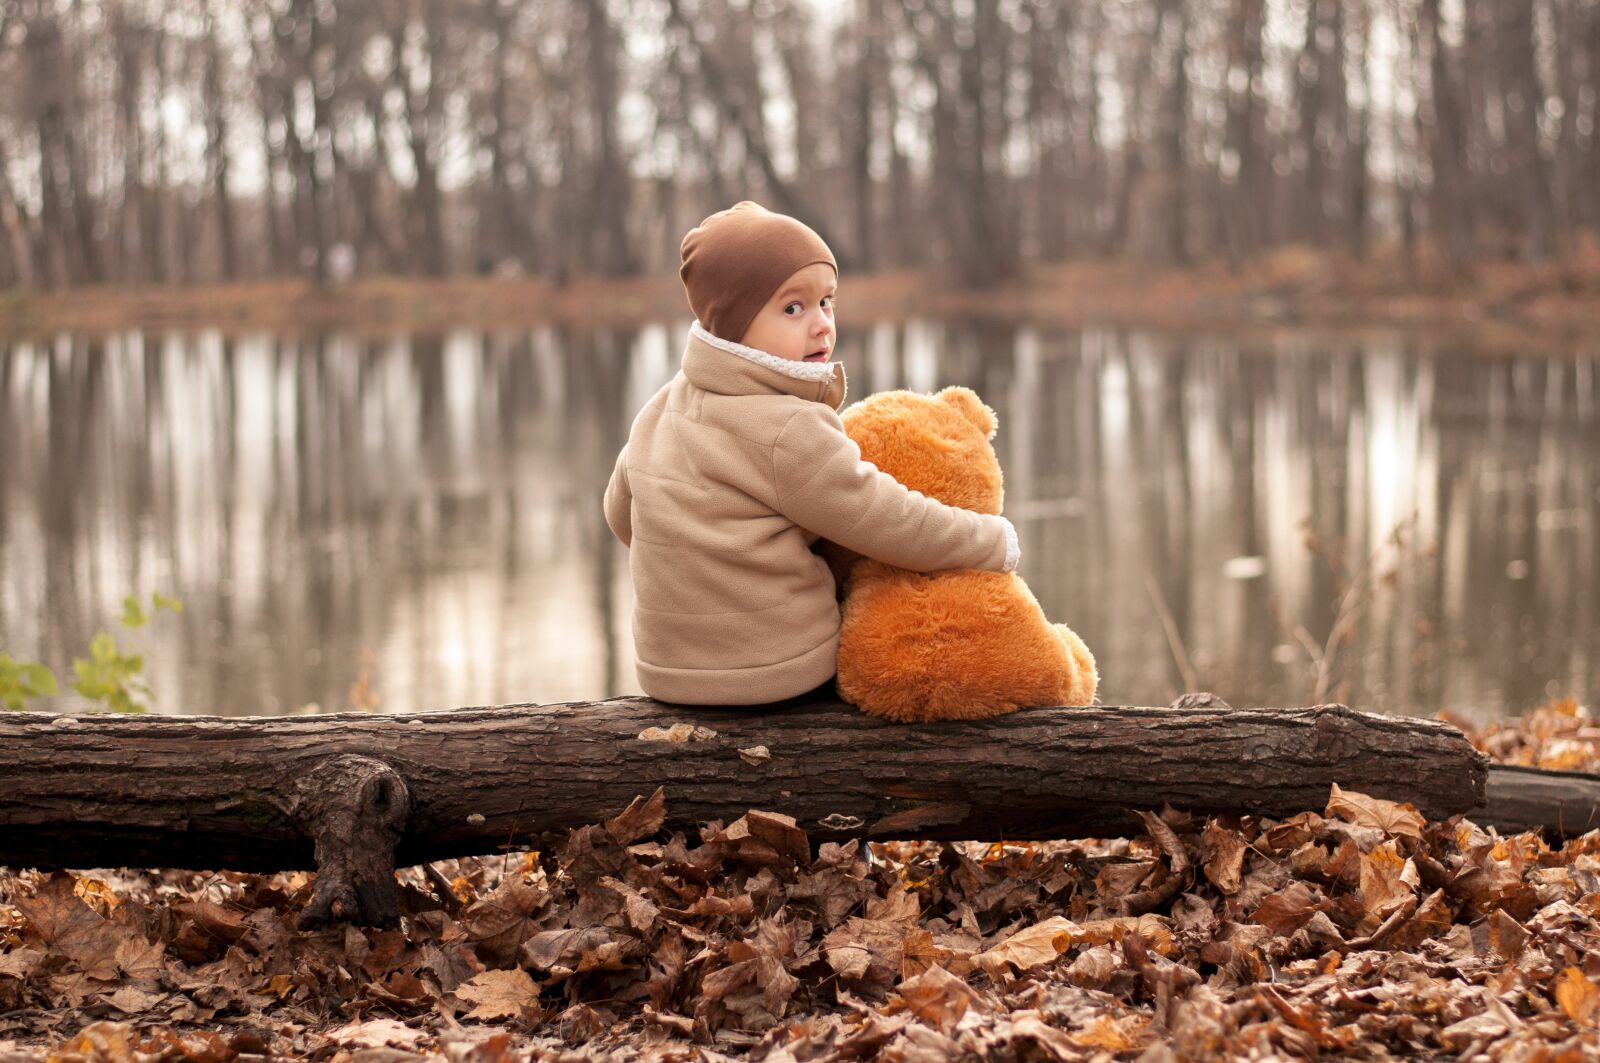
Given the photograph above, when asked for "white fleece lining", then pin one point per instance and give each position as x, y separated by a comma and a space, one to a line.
1013, 548
816, 372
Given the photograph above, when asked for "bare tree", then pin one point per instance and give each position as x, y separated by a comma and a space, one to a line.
154, 141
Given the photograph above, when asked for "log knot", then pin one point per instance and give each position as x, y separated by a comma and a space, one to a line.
354, 809
1334, 725
1202, 700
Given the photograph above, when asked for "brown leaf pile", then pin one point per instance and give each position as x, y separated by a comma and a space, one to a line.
1560, 736
1358, 931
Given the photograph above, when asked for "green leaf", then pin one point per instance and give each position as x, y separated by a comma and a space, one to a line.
161, 601
92, 682
39, 678
123, 702
22, 680
104, 648
133, 614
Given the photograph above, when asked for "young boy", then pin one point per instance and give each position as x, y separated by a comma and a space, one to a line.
740, 463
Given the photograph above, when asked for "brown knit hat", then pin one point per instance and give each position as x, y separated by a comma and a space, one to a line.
735, 259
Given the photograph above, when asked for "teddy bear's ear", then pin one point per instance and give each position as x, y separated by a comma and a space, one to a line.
967, 403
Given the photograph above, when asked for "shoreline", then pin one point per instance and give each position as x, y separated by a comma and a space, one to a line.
1501, 304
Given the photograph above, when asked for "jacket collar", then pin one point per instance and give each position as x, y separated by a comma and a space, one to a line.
727, 368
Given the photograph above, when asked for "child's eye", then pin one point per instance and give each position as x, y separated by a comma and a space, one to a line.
792, 306
827, 300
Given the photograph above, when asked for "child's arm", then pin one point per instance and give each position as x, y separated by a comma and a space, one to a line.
823, 485
619, 501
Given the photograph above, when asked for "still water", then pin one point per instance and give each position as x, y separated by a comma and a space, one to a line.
414, 523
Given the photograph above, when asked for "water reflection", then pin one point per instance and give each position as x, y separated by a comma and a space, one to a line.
422, 513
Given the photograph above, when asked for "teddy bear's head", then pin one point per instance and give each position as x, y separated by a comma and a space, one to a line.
936, 444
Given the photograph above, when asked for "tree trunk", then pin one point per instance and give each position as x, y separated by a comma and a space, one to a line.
716, 85
154, 228
260, 794
1565, 803
1523, 102
1450, 220
866, 76
1173, 122
423, 119
218, 167
1246, 168
14, 227
612, 181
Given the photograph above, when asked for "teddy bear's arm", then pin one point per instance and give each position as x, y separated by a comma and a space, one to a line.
619, 501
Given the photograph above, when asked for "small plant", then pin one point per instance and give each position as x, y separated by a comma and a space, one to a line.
108, 676
22, 680
1355, 589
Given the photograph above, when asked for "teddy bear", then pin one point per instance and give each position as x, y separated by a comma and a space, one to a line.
959, 645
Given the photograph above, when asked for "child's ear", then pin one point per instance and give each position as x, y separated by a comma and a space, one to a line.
967, 403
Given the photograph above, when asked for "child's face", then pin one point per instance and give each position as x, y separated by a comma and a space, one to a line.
797, 322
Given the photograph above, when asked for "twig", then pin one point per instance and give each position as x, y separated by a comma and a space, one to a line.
442, 889
1314, 651
1191, 681
1347, 611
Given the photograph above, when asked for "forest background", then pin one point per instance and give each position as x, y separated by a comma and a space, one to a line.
1235, 157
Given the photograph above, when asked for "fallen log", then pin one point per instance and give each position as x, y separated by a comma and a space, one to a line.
1563, 803
353, 794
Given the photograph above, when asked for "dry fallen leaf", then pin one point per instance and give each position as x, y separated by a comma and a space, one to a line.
131, 1000
755, 755
1287, 910
937, 996
1094, 967
1313, 936
1387, 881
1388, 816
1029, 947
1506, 935
1112, 1033
101, 1041
919, 952
866, 949
376, 1033
1154, 930
774, 829
1055, 1044
640, 819
1222, 854
498, 994
1578, 996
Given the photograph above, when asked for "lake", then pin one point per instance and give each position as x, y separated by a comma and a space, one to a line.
413, 522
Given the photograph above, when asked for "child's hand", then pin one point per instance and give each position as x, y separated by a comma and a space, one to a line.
1013, 546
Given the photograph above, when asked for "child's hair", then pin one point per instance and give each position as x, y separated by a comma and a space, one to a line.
735, 259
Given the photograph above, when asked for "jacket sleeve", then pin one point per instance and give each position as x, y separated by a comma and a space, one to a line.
619, 501
823, 485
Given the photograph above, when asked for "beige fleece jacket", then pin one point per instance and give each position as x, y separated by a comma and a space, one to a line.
730, 474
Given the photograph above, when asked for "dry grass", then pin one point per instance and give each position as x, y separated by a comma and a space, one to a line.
1493, 304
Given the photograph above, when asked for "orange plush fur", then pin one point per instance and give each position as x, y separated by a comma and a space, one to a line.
950, 645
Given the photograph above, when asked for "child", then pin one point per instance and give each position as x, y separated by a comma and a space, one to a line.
740, 463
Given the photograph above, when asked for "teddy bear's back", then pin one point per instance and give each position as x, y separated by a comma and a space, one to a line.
951, 641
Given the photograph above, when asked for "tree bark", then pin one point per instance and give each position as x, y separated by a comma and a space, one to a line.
331, 792
1565, 803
